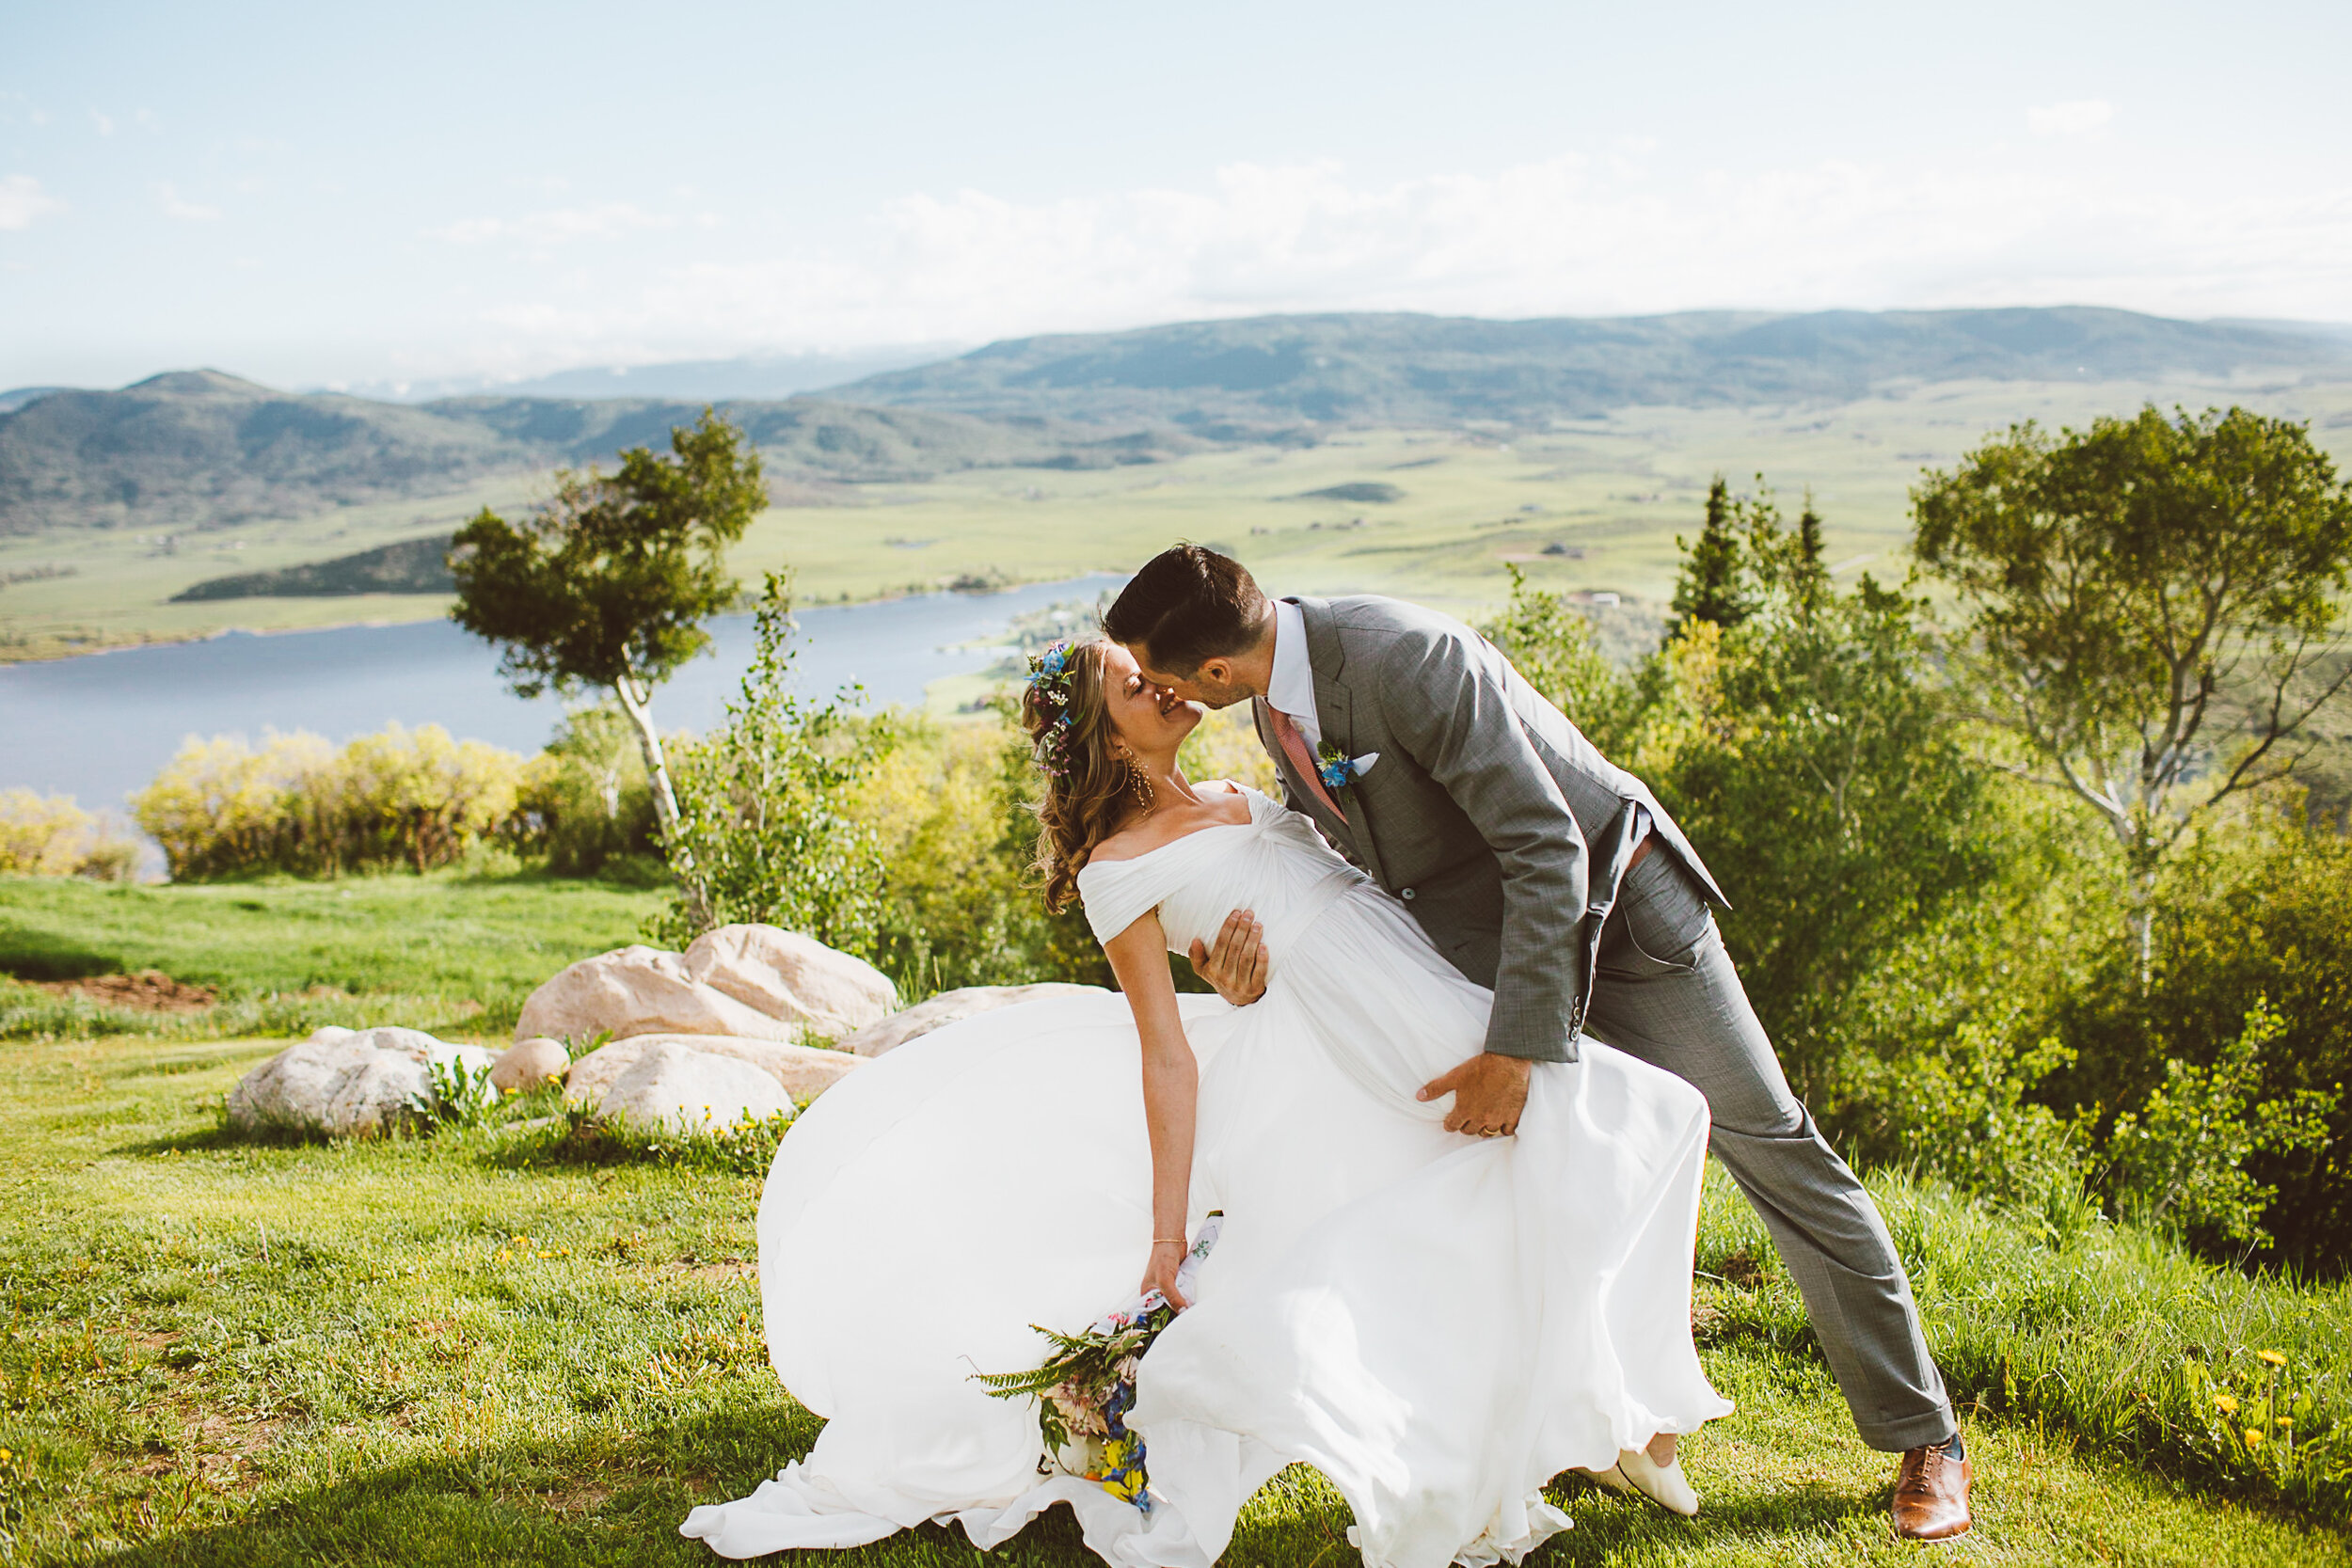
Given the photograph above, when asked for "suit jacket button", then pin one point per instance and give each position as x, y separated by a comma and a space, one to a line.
1406, 895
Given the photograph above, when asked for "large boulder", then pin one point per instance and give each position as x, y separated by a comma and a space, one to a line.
672, 1087
801, 1071
353, 1083
639, 991
528, 1064
788, 975
751, 982
948, 1007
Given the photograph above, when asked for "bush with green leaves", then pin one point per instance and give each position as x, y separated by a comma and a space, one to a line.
585, 803
397, 800
767, 828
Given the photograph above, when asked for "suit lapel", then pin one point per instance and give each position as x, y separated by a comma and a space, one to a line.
1333, 716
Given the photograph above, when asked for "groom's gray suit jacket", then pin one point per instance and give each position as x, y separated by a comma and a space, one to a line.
1498, 824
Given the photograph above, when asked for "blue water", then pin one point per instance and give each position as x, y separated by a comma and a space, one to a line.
98, 727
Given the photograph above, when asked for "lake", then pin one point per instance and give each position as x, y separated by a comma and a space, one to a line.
100, 726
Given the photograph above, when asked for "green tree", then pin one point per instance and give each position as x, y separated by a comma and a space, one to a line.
2155, 610
1712, 583
609, 584
767, 828
1555, 646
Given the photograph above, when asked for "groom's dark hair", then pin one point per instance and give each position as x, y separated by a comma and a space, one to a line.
1188, 606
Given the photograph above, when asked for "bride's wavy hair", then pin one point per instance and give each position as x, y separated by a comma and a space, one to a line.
1087, 790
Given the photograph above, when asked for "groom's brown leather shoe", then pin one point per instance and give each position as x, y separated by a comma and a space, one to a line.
1931, 1495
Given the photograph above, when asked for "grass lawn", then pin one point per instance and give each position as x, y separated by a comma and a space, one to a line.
469, 1349
448, 952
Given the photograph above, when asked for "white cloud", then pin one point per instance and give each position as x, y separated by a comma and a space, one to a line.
2071, 119
22, 200
558, 226
1571, 236
187, 211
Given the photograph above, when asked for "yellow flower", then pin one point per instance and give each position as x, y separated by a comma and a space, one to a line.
2277, 1358
2286, 1420
2227, 1404
2253, 1437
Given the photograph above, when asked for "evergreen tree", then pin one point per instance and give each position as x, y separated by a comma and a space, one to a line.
1812, 575
1713, 581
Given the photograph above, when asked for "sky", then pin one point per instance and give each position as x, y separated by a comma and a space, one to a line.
374, 196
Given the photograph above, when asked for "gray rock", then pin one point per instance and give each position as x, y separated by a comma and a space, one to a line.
526, 1063
672, 1087
949, 1007
351, 1083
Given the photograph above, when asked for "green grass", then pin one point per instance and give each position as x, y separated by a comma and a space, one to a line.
1616, 489
225, 1353
451, 952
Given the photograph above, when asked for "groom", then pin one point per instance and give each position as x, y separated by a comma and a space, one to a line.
1556, 878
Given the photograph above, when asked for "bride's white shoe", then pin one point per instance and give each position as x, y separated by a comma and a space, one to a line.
1663, 1484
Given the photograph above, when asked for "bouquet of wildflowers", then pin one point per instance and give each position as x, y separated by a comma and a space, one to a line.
1085, 1388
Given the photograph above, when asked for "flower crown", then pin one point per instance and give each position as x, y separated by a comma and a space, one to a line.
1049, 685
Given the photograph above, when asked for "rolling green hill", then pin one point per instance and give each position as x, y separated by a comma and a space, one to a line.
193, 450
410, 567
1237, 378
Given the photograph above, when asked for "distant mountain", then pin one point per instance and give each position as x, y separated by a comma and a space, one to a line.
834, 439
197, 449
1235, 379
777, 375
17, 397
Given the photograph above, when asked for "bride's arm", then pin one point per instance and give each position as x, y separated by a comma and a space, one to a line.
1171, 1084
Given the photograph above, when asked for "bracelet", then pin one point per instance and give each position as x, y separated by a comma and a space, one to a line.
1157, 1240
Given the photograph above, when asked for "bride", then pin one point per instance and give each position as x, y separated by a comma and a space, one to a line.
1439, 1324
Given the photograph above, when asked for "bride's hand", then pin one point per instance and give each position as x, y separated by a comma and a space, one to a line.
1166, 1257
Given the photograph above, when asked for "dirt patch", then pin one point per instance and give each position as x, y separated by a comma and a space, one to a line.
721, 1272
150, 990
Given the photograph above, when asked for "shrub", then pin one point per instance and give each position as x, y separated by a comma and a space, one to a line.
767, 827
406, 799
584, 802
52, 837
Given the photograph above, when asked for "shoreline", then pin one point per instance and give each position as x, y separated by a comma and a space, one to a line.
130, 643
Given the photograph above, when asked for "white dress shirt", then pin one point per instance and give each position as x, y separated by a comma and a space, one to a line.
1291, 688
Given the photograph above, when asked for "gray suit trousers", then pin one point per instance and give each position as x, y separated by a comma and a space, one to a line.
1665, 991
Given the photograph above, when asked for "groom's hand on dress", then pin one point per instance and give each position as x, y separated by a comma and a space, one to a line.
1236, 966
1490, 1091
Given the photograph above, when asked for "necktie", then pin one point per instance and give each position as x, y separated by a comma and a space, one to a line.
1294, 747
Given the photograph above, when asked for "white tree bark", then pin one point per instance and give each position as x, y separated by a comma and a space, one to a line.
636, 701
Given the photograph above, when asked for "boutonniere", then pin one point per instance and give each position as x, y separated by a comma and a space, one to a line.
1338, 769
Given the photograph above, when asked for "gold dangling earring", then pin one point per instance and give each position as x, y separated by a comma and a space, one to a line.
1141, 781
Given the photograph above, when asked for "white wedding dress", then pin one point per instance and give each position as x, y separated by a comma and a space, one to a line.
1438, 1323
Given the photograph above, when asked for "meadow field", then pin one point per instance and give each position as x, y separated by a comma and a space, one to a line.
1594, 504
506, 1344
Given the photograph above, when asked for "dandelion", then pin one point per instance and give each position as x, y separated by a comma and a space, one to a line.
2227, 1403
2276, 1358
2254, 1437
2286, 1420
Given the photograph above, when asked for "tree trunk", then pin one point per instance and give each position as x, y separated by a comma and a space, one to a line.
635, 701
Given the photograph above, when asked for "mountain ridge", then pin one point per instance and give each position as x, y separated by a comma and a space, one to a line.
202, 448
1402, 368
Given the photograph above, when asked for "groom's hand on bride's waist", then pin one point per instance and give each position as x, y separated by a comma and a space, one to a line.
1490, 1091
1236, 965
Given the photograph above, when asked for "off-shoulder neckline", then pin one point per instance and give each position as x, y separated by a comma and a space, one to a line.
1250, 795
